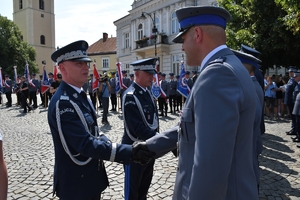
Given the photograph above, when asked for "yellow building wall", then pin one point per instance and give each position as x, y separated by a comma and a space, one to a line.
98, 58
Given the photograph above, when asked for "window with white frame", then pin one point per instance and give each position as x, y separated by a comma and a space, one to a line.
157, 24
175, 24
140, 32
176, 64
105, 63
126, 39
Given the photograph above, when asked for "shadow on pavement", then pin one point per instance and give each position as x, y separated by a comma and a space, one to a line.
275, 173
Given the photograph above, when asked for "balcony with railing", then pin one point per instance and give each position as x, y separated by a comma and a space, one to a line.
149, 41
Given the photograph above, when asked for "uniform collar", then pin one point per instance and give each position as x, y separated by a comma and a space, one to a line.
145, 90
208, 56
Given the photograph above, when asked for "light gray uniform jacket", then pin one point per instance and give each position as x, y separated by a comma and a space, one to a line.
216, 141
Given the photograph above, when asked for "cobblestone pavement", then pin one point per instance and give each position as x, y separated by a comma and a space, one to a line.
28, 151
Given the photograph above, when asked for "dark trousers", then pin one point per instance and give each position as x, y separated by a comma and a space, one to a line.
93, 99
172, 102
140, 180
19, 98
32, 95
100, 100
291, 107
24, 102
105, 104
163, 106
113, 100
179, 102
8, 97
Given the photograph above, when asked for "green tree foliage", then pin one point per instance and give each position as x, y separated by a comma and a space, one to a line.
259, 24
13, 50
292, 17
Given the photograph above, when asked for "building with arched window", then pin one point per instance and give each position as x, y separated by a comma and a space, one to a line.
137, 38
37, 24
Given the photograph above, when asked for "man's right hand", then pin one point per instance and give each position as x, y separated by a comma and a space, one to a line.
141, 154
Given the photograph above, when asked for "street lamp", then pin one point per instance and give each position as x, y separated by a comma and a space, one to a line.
154, 29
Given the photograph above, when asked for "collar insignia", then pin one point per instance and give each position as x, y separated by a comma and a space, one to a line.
75, 95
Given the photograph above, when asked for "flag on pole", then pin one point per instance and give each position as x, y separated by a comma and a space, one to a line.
45, 83
118, 75
182, 86
55, 72
96, 78
156, 89
27, 75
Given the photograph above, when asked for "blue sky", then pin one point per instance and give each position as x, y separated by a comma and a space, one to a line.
81, 20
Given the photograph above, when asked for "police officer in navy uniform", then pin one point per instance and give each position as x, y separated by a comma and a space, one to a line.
172, 95
8, 90
140, 123
79, 147
288, 99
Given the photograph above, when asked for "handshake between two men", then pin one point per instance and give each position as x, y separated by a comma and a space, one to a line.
141, 154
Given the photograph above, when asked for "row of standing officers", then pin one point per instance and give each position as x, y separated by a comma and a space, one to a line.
173, 98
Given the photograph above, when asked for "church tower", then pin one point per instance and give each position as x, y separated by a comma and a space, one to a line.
36, 20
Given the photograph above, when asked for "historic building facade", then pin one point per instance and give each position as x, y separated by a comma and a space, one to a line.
148, 31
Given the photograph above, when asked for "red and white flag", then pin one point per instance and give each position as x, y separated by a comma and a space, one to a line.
96, 78
27, 75
119, 71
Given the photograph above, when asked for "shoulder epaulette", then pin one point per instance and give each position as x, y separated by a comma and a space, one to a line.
220, 60
64, 97
131, 90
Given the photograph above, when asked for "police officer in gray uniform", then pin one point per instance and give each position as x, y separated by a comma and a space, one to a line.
113, 95
215, 148
8, 90
33, 91
251, 63
163, 101
172, 95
